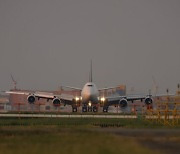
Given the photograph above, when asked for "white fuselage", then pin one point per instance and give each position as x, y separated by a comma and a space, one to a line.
90, 93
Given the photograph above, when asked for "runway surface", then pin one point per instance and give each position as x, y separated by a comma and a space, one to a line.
68, 116
84, 116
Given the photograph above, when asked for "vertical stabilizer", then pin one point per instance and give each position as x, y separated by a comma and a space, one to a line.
90, 73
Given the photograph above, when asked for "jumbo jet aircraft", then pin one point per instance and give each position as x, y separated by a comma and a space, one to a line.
90, 98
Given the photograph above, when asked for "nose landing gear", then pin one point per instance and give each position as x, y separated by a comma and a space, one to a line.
90, 109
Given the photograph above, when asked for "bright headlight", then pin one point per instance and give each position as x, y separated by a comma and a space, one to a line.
89, 104
102, 99
77, 98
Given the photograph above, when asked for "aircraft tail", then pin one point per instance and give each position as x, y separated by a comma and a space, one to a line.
90, 73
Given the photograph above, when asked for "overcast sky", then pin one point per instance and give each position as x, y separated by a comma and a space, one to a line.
47, 43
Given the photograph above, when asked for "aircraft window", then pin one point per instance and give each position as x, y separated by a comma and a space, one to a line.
90, 85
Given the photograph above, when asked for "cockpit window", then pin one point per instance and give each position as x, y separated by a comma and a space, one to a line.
89, 85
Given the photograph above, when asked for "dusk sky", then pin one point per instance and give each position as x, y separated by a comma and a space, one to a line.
48, 43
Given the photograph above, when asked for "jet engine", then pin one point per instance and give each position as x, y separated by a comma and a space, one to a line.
56, 101
148, 100
123, 103
31, 99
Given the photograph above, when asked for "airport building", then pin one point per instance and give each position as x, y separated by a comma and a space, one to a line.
4, 103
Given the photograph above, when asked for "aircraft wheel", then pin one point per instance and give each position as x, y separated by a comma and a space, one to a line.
89, 109
84, 109
74, 109
95, 109
105, 109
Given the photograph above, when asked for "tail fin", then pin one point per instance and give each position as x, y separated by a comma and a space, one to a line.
90, 73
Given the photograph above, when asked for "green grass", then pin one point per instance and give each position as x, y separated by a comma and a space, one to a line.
54, 139
102, 122
85, 136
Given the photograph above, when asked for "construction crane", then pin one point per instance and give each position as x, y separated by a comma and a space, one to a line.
14, 82
178, 90
155, 86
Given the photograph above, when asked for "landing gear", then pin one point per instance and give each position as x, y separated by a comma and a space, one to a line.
105, 109
95, 109
84, 109
89, 108
74, 109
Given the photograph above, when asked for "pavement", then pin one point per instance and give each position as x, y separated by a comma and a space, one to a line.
68, 116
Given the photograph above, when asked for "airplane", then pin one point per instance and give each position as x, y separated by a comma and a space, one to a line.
90, 98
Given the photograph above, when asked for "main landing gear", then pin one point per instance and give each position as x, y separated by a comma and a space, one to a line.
95, 109
84, 109
74, 109
89, 109
105, 109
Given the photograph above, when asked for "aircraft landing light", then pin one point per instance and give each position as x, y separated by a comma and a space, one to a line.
89, 104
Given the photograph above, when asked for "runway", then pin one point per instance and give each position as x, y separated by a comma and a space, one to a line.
83, 116
68, 116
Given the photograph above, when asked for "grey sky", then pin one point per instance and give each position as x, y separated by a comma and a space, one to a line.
46, 43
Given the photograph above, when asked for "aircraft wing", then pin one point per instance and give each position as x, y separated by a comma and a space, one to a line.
36, 94
75, 88
162, 95
102, 89
128, 98
17, 92
65, 99
135, 97
122, 101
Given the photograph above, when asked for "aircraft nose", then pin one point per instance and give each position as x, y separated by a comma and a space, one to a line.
88, 95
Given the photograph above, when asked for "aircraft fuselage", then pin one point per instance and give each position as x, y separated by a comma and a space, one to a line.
90, 93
